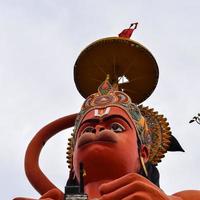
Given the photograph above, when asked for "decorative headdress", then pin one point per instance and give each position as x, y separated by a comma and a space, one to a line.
122, 58
152, 129
108, 95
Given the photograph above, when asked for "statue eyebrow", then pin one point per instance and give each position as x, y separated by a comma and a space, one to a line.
116, 116
96, 121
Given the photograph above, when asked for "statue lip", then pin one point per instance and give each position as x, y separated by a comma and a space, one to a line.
105, 136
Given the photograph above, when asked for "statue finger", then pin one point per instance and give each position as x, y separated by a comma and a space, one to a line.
139, 195
120, 182
123, 192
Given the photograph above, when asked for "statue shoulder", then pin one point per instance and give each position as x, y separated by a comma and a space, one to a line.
188, 194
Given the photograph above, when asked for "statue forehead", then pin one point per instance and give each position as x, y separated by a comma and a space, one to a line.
106, 112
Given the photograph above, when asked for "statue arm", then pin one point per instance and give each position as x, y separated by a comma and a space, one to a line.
188, 195
53, 194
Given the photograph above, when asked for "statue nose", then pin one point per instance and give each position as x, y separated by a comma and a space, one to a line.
99, 128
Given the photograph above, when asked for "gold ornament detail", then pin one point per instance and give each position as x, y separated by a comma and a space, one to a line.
143, 166
70, 150
160, 133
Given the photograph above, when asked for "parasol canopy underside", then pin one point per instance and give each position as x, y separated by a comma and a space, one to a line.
128, 63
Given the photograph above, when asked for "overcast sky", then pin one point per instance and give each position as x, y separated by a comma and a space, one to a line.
40, 41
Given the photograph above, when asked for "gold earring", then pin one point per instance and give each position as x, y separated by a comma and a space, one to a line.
143, 166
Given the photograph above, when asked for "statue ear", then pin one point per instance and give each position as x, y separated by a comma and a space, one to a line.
174, 145
144, 153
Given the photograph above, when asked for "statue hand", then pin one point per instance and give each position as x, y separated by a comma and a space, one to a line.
130, 187
54, 194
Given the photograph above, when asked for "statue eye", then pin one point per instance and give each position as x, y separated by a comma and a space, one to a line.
117, 128
89, 129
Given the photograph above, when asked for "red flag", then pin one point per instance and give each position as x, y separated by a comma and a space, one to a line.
126, 33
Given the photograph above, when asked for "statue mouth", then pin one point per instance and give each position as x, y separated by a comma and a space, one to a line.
105, 136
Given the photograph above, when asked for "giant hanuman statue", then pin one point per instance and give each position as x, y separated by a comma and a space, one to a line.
117, 142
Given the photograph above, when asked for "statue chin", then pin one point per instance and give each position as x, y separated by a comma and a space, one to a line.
97, 166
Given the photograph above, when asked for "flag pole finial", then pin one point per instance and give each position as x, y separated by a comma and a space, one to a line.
126, 33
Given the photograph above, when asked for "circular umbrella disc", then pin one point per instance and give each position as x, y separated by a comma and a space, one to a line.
128, 63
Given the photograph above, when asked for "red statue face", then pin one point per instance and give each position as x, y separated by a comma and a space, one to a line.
107, 145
